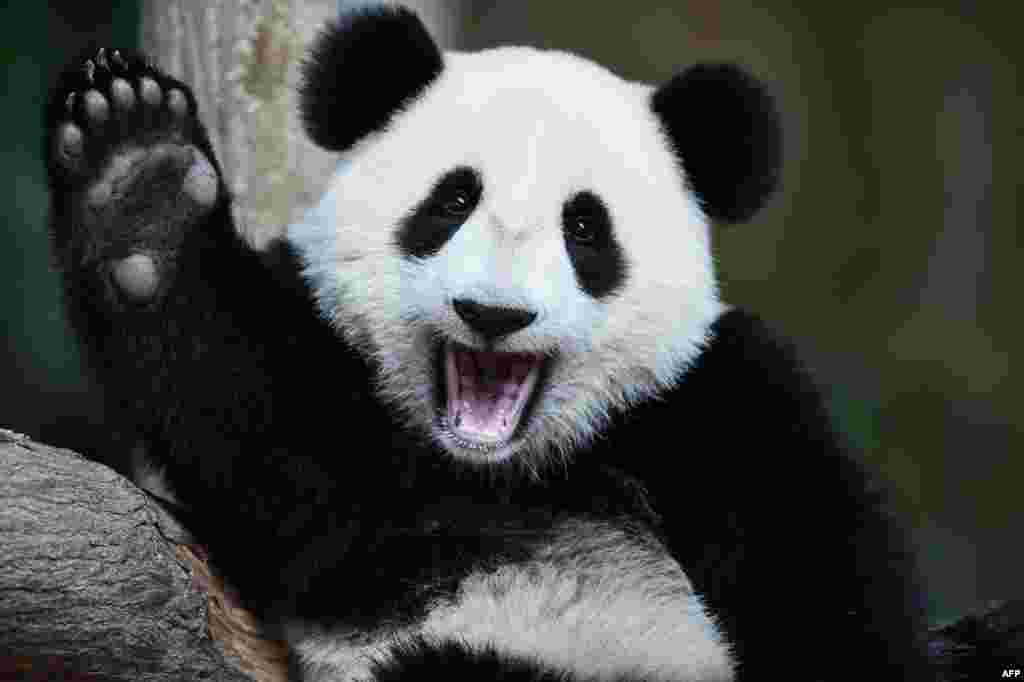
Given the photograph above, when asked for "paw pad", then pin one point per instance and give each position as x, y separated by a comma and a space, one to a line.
177, 103
201, 183
124, 96
150, 91
96, 108
137, 276
71, 141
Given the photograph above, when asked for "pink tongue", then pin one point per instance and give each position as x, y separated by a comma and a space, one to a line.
489, 387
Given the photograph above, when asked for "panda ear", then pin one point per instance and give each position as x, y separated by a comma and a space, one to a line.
361, 70
726, 132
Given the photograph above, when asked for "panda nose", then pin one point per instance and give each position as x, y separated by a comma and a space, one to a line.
491, 321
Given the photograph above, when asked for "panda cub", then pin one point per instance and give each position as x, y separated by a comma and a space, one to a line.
481, 413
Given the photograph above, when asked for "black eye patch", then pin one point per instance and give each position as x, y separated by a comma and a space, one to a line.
595, 255
438, 217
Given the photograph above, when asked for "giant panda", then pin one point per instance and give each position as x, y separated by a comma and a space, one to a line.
481, 412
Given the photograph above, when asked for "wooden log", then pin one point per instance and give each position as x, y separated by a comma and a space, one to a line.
97, 581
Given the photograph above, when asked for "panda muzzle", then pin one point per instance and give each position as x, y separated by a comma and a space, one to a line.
487, 391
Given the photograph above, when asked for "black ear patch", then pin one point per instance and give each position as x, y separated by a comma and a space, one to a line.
361, 70
726, 132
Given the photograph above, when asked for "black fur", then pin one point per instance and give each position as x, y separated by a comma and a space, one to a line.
451, 660
726, 132
440, 215
329, 510
595, 254
362, 70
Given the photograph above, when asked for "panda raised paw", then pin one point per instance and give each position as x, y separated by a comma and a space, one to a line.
130, 168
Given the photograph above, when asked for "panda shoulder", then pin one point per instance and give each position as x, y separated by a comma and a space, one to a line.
750, 371
741, 337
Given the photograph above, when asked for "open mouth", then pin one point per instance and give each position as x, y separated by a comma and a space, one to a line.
487, 394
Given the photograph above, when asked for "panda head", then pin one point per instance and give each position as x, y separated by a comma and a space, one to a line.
519, 239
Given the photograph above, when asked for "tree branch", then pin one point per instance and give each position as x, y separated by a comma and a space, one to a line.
97, 580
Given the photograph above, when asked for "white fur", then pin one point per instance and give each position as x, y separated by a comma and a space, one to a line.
596, 602
538, 126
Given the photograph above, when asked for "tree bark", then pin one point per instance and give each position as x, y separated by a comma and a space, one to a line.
98, 582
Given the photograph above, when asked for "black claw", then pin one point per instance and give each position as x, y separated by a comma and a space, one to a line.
119, 60
90, 70
69, 103
101, 58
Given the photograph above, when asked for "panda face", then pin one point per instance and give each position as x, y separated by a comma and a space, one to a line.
518, 252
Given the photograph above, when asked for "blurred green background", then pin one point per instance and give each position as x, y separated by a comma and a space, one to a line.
892, 254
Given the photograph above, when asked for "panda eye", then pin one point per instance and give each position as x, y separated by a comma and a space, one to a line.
590, 243
581, 230
585, 220
456, 196
437, 218
458, 205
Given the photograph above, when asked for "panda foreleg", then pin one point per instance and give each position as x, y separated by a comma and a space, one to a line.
169, 302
